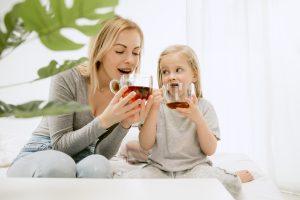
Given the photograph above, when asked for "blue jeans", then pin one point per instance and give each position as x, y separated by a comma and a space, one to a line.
35, 143
37, 159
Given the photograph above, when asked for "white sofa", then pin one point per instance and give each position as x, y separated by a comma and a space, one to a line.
262, 188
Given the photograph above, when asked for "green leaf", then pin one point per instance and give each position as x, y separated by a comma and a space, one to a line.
53, 67
49, 22
50, 70
40, 108
15, 33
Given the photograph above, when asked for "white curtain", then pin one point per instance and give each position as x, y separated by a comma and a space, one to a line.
249, 52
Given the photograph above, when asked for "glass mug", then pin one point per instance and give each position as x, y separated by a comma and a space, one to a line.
175, 94
141, 84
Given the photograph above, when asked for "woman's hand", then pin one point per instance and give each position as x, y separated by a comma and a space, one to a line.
192, 112
153, 102
119, 109
140, 116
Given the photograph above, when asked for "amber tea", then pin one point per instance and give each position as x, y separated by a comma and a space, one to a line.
142, 85
141, 92
174, 105
175, 94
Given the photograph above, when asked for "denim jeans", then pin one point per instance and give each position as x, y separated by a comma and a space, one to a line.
35, 143
41, 143
37, 159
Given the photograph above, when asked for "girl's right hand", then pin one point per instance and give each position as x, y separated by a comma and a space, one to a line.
157, 98
119, 109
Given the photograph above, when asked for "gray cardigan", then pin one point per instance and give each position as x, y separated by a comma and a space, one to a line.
71, 133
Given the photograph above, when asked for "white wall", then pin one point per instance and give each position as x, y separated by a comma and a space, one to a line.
250, 58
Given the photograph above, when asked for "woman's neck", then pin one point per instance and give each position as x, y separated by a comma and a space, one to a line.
103, 78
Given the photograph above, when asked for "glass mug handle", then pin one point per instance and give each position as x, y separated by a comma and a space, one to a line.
192, 90
114, 86
165, 93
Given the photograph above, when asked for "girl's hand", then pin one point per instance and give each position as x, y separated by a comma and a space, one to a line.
119, 109
192, 112
157, 98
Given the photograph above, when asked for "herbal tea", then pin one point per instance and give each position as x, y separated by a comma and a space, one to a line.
174, 105
141, 92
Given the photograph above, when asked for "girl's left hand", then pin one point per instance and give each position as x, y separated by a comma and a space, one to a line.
192, 112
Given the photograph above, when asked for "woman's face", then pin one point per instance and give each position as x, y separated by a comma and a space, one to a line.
123, 57
175, 69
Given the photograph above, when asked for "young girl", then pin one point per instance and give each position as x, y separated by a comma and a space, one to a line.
181, 139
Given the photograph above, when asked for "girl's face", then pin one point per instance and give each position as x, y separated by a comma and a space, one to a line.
123, 57
175, 69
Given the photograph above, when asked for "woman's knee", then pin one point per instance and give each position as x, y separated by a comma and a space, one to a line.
94, 166
48, 163
59, 165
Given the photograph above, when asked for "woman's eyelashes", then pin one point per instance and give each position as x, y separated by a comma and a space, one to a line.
133, 53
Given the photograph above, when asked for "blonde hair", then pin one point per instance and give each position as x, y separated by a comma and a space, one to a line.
191, 59
102, 43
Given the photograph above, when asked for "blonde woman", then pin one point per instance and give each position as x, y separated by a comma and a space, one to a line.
79, 144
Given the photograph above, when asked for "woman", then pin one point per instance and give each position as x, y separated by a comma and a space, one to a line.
65, 145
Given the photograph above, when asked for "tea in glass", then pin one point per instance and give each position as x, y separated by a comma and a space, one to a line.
175, 94
141, 85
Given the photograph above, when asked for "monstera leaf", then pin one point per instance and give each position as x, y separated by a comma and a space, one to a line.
48, 21
15, 33
50, 70
40, 108
53, 67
